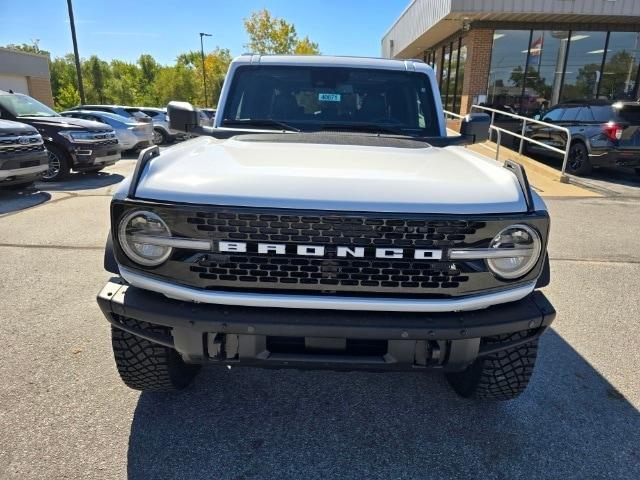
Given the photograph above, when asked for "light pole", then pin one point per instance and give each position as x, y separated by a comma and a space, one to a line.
204, 74
75, 52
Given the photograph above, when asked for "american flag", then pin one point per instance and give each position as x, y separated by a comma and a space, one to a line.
536, 47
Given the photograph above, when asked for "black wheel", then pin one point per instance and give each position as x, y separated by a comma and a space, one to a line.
501, 376
59, 164
159, 137
148, 366
578, 163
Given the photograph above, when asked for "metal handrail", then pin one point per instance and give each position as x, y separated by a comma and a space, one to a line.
563, 176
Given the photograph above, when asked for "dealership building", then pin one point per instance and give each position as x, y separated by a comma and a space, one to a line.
522, 55
28, 73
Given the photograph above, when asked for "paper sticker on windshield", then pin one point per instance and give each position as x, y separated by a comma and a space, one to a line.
329, 97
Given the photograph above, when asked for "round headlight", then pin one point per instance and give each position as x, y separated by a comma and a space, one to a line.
526, 245
140, 234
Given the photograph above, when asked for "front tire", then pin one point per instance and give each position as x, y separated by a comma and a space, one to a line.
501, 376
59, 164
148, 366
159, 137
578, 163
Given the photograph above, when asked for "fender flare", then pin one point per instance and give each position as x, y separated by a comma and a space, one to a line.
110, 264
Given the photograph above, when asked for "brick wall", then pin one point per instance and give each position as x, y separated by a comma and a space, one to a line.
40, 89
476, 74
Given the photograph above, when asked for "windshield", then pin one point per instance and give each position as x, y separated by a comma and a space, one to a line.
316, 98
20, 105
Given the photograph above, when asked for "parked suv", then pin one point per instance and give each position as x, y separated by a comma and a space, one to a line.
602, 134
161, 132
72, 143
131, 135
23, 157
131, 112
327, 227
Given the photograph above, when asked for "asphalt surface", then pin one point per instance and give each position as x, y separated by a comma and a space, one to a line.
65, 413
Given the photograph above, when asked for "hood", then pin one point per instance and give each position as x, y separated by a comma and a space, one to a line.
65, 123
449, 180
9, 126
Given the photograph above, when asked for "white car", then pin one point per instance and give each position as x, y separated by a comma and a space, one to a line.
327, 221
131, 135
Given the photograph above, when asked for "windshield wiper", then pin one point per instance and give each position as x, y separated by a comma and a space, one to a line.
261, 122
365, 127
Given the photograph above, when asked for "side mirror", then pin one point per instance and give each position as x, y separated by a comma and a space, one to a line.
475, 126
183, 117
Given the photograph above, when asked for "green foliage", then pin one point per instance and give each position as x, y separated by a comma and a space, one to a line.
268, 34
67, 97
25, 47
147, 83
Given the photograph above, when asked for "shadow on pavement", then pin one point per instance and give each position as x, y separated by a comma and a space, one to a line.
14, 200
82, 181
250, 423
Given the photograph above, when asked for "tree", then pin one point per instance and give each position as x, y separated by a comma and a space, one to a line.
67, 97
175, 83
268, 34
96, 76
30, 48
306, 47
618, 76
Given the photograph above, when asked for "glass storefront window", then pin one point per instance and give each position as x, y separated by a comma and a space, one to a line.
449, 62
619, 76
461, 62
584, 61
508, 60
544, 71
446, 73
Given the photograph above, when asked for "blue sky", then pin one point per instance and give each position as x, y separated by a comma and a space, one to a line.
124, 29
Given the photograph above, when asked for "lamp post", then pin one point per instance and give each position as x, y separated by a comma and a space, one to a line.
204, 74
75, 52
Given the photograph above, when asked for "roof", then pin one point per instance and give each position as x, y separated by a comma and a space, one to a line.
327, 61
99, 113
424, 23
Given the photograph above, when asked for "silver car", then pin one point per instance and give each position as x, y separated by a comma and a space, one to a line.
161, 132
131, 135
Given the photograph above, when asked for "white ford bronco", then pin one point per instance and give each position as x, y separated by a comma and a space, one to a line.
326, 220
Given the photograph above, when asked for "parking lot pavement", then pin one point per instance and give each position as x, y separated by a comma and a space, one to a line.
66, 414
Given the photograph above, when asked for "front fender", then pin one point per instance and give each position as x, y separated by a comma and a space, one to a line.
110, 264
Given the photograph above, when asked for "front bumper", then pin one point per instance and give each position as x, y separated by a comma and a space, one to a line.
313, 338
88, 157
23, 167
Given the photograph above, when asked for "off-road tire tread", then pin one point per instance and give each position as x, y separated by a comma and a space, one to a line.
501, 376
148, 366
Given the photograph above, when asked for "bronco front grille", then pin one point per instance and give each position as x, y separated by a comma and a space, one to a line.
350, 273
329, 273
334, 229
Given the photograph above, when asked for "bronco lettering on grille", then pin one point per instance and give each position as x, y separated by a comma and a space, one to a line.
325, 250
